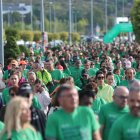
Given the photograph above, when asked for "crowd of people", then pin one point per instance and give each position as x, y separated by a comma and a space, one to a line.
78, 92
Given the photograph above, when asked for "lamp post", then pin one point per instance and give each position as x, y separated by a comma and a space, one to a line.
116, 8
1, 35
31, 15
123, 8
106, 16
92, 18
54, 14
42, 16
50, 12
70, 19
42, 25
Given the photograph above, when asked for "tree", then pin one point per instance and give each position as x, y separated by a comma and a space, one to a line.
135, 14
12, 32
11, 50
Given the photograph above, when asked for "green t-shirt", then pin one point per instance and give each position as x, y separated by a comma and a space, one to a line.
109, 113
76, 73
24, 74
126, 128
1, 126
5, 75
97, 65
105, 92
97, 104
137, 76
24, 134
5, 95
56, 75
78, 125
117, 79
91, 72
67, 72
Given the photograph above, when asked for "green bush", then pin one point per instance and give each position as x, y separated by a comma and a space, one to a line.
50, 36
37, 36
12, 32
64, 36
56, 36
75, 37
27, 35
11, 50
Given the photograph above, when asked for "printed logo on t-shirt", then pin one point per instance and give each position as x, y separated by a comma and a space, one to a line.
74, 133
132, 134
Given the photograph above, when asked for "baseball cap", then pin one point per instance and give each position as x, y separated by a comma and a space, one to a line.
25, 90
23, 63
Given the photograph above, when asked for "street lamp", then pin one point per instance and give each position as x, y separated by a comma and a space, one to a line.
70, 18
50, 11
116, 8
54, 12
31, 15
106, 16
92, 18
42, 16
1, 35
123, 8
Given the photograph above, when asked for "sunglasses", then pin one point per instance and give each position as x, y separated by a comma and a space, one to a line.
122, 97
100, 78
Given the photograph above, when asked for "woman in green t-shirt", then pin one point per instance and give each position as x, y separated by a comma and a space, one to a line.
16, 121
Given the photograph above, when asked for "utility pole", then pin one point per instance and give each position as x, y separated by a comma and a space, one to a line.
50, 12
70, 19
31, 15
116, 8
42, 16
1, 35
106, 16
54, 10
92, 18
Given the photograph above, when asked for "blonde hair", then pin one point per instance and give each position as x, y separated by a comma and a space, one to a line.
12, 116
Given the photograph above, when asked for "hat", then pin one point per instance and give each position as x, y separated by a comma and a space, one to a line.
24, 90
23, 62
14, 62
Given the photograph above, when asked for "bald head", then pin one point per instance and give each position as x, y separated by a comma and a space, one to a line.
121, 90
120, 96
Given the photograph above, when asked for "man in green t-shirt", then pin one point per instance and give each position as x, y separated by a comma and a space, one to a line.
114, 110
71, 122
55, 74
129, 77
1, 126
128, 126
